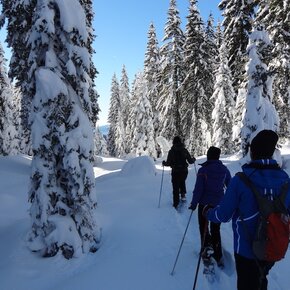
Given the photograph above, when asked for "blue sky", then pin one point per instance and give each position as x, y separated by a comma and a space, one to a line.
121, 29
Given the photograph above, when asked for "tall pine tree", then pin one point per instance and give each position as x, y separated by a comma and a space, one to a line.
237, 22
171, 75
260, 112
223, 97
62, 189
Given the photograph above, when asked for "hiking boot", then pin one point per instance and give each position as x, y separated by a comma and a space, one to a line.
221, 263
183, 197
207, 253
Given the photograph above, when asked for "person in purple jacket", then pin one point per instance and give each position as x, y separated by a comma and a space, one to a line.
239, 205
211, 180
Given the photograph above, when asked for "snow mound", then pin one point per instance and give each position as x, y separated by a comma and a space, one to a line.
139, 166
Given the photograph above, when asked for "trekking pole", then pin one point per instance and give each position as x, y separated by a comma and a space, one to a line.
172, 272
200, 253
195, 168
161, 187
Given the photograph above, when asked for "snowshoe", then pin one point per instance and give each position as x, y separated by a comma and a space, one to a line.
208, 262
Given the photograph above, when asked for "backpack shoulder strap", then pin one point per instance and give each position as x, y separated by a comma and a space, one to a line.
250, 184
266, 206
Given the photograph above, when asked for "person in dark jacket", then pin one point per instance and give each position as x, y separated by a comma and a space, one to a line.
211, 180
239, 205
178, 159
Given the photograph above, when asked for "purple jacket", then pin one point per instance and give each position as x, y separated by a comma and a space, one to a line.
211, 180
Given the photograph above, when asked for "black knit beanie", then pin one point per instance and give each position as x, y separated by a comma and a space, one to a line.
213, 153
263, 145
176, 140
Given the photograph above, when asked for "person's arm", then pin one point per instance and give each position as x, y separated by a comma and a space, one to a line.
198, 189
189, 159
228, 178
168, 162
228, 205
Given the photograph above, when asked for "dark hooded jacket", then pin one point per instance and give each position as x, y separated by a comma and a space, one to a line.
178, 158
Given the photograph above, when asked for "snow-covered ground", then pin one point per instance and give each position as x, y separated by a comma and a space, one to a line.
139, 240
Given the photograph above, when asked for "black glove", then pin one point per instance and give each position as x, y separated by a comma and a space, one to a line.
206, 209
193, 159
163, 163
191, 207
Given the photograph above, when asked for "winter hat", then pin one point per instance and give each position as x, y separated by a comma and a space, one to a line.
263, 145
176, 140
213, 153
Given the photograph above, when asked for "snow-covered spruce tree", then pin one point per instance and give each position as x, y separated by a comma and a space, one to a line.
151, 74
125, 104
275, 16
113, 115
100, 148
171, 75
194, 106
18, 14
62, 189
237, 23
94, 112
211, 58
260, 112
132, 119
223, 98
9, 141
144, 129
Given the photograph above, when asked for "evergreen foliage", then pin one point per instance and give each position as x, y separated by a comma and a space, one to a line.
143, 134
113, 115
260, 112
237, 23
223, 96
62, 189
18, 14
171, 75
9, 141
152, 75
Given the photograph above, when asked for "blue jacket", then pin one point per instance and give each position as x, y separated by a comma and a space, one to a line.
239, 201
211, 179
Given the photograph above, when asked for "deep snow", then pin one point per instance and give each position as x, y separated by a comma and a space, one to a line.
139, 240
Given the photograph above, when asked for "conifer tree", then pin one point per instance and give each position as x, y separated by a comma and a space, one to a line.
144, 129
113, 115
9, 141
132, 119
223, 98
195, 106
62, 189
260, 113
94, 111
237, 22
151, 74
100, 142
124, 105
171, 75
275, 16
18, 14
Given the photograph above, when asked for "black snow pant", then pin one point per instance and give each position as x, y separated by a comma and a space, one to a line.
251, 273
178, 179
212, 235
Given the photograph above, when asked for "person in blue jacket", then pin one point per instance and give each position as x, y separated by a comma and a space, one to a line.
239, 205
211, 179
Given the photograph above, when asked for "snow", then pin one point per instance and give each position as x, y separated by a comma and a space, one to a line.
139, 240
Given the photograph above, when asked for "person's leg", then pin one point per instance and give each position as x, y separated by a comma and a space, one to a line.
266, 266
216, 241
175, 185
183, 177
202, 221
248, 274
